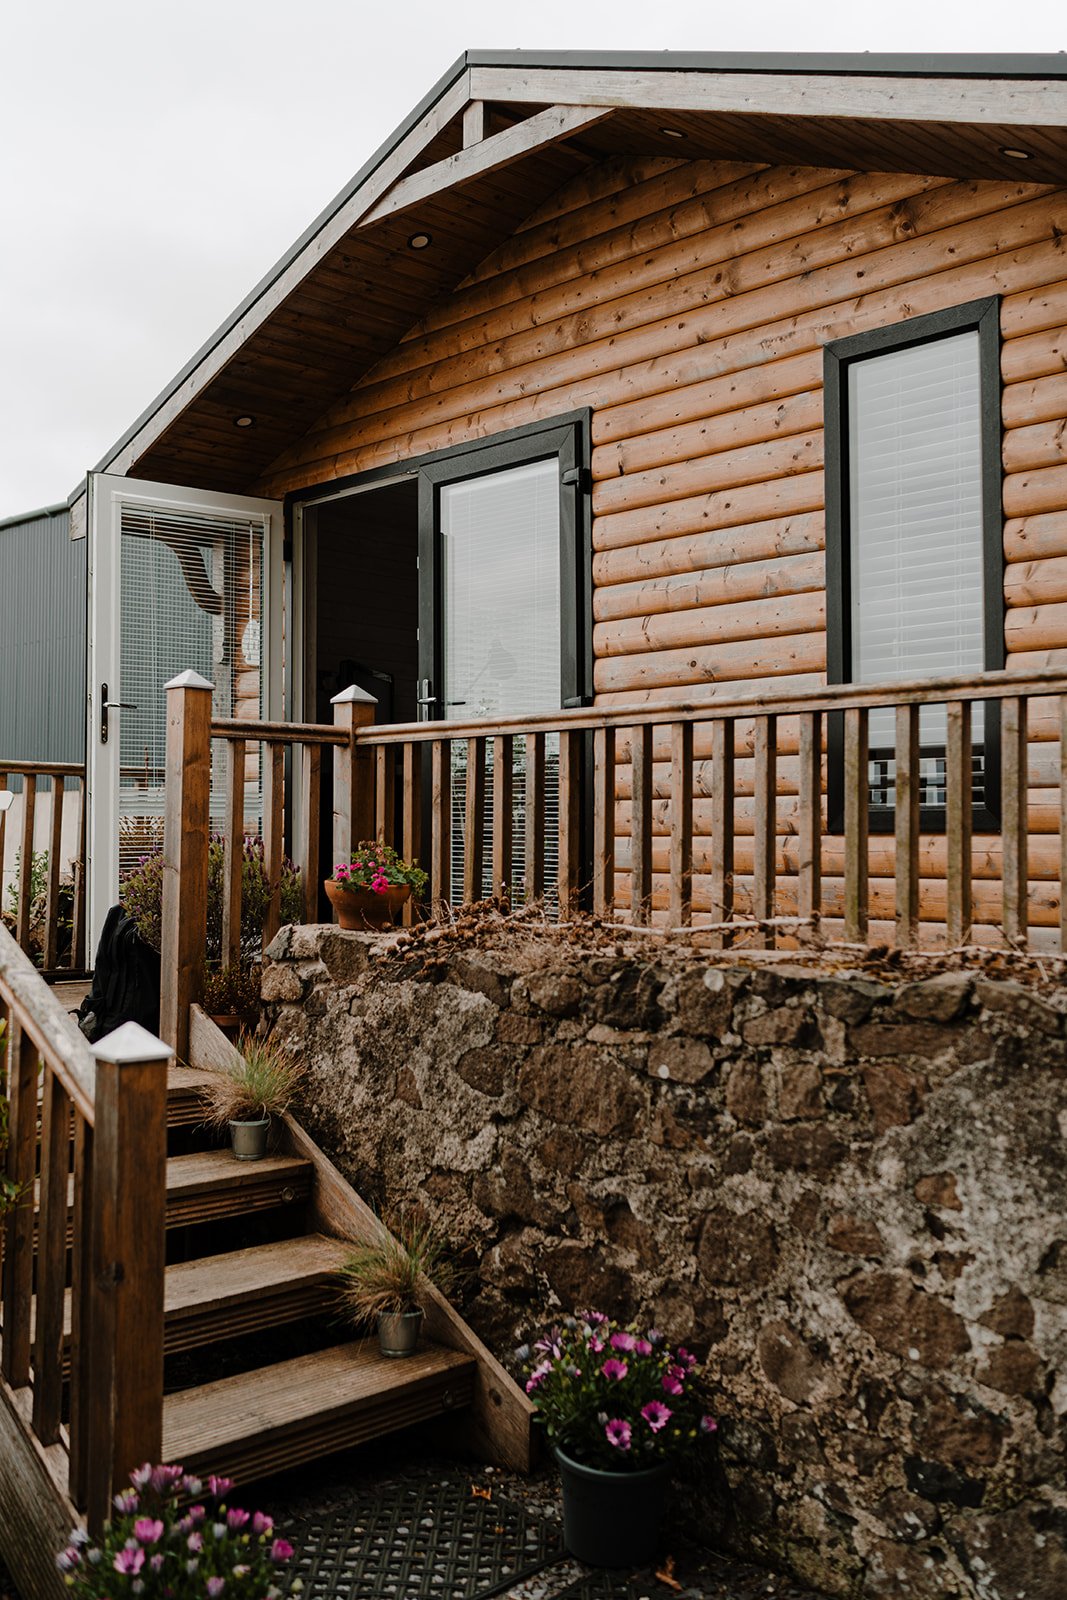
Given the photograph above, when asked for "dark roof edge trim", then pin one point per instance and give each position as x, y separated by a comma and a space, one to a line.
868, 64
34, 516
442, 85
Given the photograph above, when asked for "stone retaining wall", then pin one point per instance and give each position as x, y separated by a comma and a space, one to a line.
849, 1198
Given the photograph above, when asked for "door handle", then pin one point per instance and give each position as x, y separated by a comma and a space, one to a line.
425, 699
106, 707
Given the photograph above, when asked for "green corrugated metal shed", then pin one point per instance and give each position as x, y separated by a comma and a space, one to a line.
42, 638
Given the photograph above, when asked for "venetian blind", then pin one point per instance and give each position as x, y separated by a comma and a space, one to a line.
916, 519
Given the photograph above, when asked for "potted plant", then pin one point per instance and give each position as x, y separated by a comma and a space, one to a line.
255, 1089
141, 895
158, 1544
369, 890
620, 1411
231, 996
382, 1278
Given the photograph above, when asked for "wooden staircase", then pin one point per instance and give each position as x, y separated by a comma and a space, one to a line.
272, 1413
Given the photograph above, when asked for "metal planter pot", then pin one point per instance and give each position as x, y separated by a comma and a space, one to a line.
612, 1519
398, 1332
249, 1139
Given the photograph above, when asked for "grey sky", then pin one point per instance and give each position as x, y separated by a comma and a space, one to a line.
158, 159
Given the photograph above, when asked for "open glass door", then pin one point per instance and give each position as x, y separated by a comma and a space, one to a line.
177, 578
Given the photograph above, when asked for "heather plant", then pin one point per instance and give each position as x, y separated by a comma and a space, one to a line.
377, 866
158, 1546
614, 1397
233, 991
141, 893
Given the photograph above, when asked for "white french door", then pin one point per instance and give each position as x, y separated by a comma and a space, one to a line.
177, 578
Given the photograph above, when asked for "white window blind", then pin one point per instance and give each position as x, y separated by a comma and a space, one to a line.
501, 625
915, 484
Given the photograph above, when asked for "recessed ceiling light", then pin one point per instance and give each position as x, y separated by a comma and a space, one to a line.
419, 241
243, 422
673, 133
1016, 155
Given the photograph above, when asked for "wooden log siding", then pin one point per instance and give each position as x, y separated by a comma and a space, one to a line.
687, 305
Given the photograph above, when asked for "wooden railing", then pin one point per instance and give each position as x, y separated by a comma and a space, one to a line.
66, 820
711, 811
87, 1150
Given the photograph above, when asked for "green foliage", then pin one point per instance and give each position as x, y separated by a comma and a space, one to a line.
377, 866
38, 879
261, 1085
141, 894
382, 1275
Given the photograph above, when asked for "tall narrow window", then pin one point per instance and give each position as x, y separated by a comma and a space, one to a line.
914, 580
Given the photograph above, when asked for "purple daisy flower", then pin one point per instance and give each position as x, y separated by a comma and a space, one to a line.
614, 1370
619, 1433
622, 1341
656, 1414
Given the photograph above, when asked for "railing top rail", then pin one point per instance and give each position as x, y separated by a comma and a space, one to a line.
278, 732
829, 697
39, 1014
43, 769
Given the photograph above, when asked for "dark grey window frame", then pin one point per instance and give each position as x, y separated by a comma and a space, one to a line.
982, 316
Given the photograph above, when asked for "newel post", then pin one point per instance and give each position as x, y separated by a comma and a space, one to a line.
186, 833
353, 773
128, 1223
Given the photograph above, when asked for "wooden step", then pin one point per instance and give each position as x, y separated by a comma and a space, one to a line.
211, 1184
185, 1107
243, 1291
256, 1423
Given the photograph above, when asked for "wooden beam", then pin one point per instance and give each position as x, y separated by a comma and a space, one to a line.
474, 124
538, 132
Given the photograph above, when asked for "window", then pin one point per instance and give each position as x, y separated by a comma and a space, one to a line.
913, 536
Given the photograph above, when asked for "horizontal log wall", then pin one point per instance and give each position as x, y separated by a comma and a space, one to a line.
687, 305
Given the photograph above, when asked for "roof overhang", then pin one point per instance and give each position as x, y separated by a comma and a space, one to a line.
350, 286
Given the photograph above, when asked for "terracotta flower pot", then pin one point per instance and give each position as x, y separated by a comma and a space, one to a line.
359, 909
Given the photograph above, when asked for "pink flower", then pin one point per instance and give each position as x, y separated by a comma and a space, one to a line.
141, 1476
217, 1487
196, 1516
281, 1550
215, 1587
622, 1341
129, 1561
670, 1384
156, 1563
619, 1433
236, 1519
126, 1503
195, 1541
642, 1347
164, 1478
614, 1370
656, 1414
148, 1529
262, 1524
708, 1425
596, 1345
538, 1376
683, 1356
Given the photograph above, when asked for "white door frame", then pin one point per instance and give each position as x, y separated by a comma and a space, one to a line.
107, 495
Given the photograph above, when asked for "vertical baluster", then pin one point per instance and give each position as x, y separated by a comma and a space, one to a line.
233, 851
474, 822
722, 827
570, 778
906, 824
765, 750
1014, 819
604, 822
55, 853
384, 794
80, 1313
809, 864
441, 822
311, 813
503, 813
77, 932
857, 802
681, 846
274, 836
25, 892
18, 1239
51, 1260
534, 882
412, 814
641, 823
959, 813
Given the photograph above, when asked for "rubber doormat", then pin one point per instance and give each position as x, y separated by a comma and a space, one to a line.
422, 1541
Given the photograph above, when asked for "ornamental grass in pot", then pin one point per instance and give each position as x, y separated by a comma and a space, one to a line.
370, 891
382, 1277
621, 1412
249, 1094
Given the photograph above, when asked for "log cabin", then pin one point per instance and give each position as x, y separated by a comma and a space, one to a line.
709, 382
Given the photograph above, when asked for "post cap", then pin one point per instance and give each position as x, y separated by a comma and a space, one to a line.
188, 680
353, 695
131, 1042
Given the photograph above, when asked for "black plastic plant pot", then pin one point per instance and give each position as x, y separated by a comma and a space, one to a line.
612, 1519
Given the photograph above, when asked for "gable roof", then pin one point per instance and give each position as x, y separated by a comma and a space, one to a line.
351, 286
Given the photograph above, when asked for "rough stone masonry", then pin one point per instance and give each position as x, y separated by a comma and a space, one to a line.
849, 1197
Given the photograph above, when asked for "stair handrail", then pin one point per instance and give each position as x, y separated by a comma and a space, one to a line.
87, 1142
